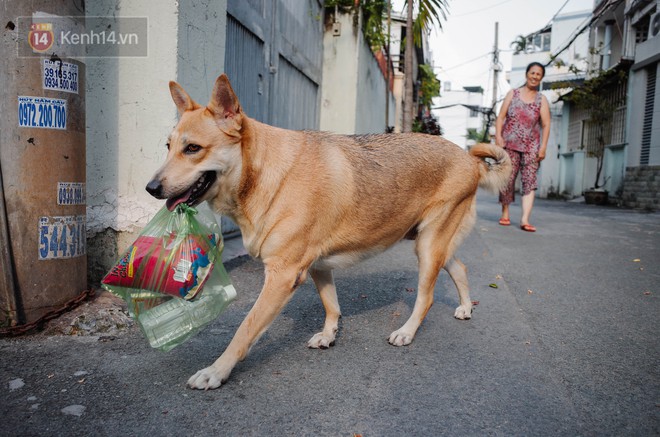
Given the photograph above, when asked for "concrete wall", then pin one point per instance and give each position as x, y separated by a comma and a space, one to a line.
647, 58
130, 112
371, 95
353, 86
340, 77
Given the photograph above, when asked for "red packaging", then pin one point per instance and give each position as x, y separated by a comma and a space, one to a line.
165, 265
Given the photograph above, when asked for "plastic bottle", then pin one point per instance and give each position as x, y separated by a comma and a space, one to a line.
173, 322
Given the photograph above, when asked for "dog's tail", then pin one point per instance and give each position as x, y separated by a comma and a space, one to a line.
494, 167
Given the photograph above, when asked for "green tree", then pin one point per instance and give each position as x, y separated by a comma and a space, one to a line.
429, 13
429, 85
519, 45
476, 135
373, 13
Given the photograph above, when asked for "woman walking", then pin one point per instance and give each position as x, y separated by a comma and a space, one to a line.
524, 114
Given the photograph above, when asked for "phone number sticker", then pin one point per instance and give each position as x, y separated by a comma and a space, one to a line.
60, 76
62, 237
41, 112
71, 193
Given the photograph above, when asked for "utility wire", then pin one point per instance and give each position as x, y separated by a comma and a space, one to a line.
467, 62
482, 9
611, 5
557, 13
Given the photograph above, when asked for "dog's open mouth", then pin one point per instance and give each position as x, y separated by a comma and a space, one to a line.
192, 196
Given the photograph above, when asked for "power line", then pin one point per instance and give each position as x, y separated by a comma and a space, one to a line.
612, 4
467, 62
557, 13
482, 9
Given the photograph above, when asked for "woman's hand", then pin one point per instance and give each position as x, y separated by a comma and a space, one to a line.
499, 141
541, 155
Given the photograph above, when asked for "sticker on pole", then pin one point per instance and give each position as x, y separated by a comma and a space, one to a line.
62, 237
60, 76
71, 193
41, 112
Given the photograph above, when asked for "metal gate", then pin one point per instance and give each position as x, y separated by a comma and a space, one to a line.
273, 59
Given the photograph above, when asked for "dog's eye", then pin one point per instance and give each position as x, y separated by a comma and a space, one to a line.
168, 146
192, 148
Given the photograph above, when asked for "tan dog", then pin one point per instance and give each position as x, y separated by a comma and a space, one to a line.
309, 202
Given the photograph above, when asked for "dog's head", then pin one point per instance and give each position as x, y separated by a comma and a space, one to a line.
204, 146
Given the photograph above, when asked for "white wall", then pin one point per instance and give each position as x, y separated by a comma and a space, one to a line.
339, 84
353, 86
129, 109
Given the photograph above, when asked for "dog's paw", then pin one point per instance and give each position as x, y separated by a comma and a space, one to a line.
463, 312
400, 338
321, 341
206, 379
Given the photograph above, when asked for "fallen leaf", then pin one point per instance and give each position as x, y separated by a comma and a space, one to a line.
637, 260
647, 293
51, 375
410, 290
493, 285
81, 380
363, 296
396, 314
475, 303
498, 277
530, 292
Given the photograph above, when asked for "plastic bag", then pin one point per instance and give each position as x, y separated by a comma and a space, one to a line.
173, 255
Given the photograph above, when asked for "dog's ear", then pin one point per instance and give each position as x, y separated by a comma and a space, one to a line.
224, 103
181, 98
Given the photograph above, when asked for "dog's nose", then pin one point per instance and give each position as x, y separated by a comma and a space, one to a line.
155, 188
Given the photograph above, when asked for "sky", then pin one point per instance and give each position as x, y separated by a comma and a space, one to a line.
462, 50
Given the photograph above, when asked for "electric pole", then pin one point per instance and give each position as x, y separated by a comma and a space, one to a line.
490, 115
496, 66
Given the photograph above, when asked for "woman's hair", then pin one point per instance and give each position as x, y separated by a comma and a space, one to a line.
535, 64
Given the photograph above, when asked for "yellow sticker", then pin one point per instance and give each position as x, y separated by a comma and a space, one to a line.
130, 262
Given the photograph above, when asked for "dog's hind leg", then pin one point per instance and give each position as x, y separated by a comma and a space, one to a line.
279, 286
436, 243
458, 273
325, 285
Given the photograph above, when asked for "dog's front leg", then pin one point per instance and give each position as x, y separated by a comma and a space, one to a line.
278, 288
325, 284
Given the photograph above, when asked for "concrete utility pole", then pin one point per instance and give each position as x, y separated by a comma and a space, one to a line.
490, 115
496, 66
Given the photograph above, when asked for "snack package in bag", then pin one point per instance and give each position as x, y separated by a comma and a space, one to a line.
172, 276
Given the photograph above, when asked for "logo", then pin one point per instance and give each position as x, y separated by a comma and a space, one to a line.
41, 36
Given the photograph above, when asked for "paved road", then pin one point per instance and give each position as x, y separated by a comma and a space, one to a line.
567, 344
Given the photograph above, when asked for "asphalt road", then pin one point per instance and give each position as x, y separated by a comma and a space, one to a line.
567, 344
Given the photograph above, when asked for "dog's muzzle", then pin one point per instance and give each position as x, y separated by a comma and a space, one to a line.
191, 197
155, 188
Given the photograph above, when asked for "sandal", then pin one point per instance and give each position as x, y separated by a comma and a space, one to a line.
528, 228
505, 221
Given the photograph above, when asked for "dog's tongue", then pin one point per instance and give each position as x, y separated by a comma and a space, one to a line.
174, 201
